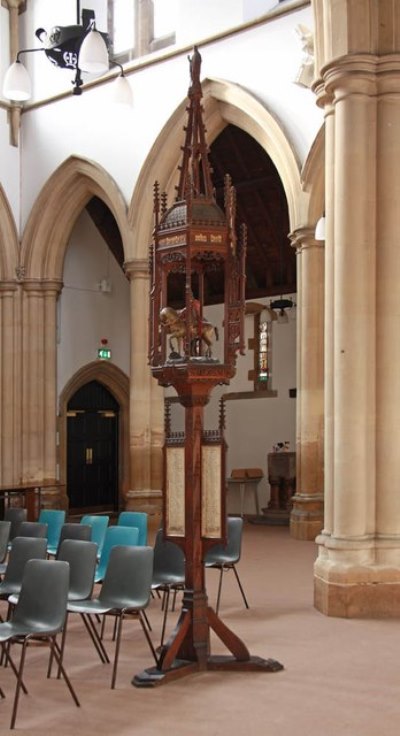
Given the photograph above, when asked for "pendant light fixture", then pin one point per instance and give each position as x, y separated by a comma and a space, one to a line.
80, 47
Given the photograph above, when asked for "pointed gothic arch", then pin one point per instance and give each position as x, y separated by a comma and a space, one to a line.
117, 383
9, 245
224, 103
56, 209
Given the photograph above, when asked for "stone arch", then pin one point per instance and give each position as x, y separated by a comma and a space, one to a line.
117, 383
224, 103
313, 178
56, 209
9, 245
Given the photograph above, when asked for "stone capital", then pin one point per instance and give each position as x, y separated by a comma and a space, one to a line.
137, 269
19, 5
43, 287
304, 237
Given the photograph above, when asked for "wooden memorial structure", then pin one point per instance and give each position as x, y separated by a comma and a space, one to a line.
192, 238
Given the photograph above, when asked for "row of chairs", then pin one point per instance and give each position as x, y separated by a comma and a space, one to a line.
124, 589
52, 525
52, 589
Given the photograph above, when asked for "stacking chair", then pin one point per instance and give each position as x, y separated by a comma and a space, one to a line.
126, 535
33, 529
22, 550
38, 617
168, 573
138, 519
75, 531
16, 515
54, 518
125, 592
81, 556
99, 526
225, 557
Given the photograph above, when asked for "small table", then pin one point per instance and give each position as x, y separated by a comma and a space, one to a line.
31, 494
245, 481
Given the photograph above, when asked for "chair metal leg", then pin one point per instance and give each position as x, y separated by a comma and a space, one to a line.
221, 572
118, 620
166, 606
146, 618
240, 586
8, 659
57, 656
18, 685
143, 619
94, 635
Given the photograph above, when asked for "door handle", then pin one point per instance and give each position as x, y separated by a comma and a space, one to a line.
89, 455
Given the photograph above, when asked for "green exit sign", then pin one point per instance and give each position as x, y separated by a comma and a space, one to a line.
104, 354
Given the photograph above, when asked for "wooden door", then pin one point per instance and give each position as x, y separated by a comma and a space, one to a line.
92, 450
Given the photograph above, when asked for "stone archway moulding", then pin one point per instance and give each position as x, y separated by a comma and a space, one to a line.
224, 103
56, 209
117, 383
9, 245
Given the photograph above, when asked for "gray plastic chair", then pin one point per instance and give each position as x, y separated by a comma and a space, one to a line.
16, 515
38, 616
69, 530
168, 573
126, 590
226, 557
5, 528
33, 529
22, 550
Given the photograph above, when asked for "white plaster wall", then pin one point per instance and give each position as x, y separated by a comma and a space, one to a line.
85, 314
263, 60
253, 426
9, 167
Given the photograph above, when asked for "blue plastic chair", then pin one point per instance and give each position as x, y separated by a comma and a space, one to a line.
54, 518
138, 519
99, 526
115, 535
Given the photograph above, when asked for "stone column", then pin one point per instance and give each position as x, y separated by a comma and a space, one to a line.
306, 519
357, 572
39, 447
146, 403
10, 403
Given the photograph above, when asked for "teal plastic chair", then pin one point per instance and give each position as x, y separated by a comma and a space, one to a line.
99, 526
138, 519
115, 535
54, 518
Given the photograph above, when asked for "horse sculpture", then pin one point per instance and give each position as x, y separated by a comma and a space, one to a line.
175, 325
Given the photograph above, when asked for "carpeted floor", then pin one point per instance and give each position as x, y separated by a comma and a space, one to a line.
341, 677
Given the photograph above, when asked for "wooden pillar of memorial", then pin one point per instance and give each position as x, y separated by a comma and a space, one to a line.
192, 238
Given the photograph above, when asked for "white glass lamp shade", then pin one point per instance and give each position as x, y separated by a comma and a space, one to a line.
93, 54
122, 91
320, 229
17, 83
283, 318
267, 315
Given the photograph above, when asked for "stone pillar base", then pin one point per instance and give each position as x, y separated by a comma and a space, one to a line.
357, 600
357, 577
148, 501
307, 516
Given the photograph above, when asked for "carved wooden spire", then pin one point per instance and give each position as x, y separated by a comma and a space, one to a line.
195, 171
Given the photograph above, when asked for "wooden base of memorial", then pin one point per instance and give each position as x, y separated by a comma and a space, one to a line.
188, 649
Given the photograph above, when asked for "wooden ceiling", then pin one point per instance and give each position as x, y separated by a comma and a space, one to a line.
261, 205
